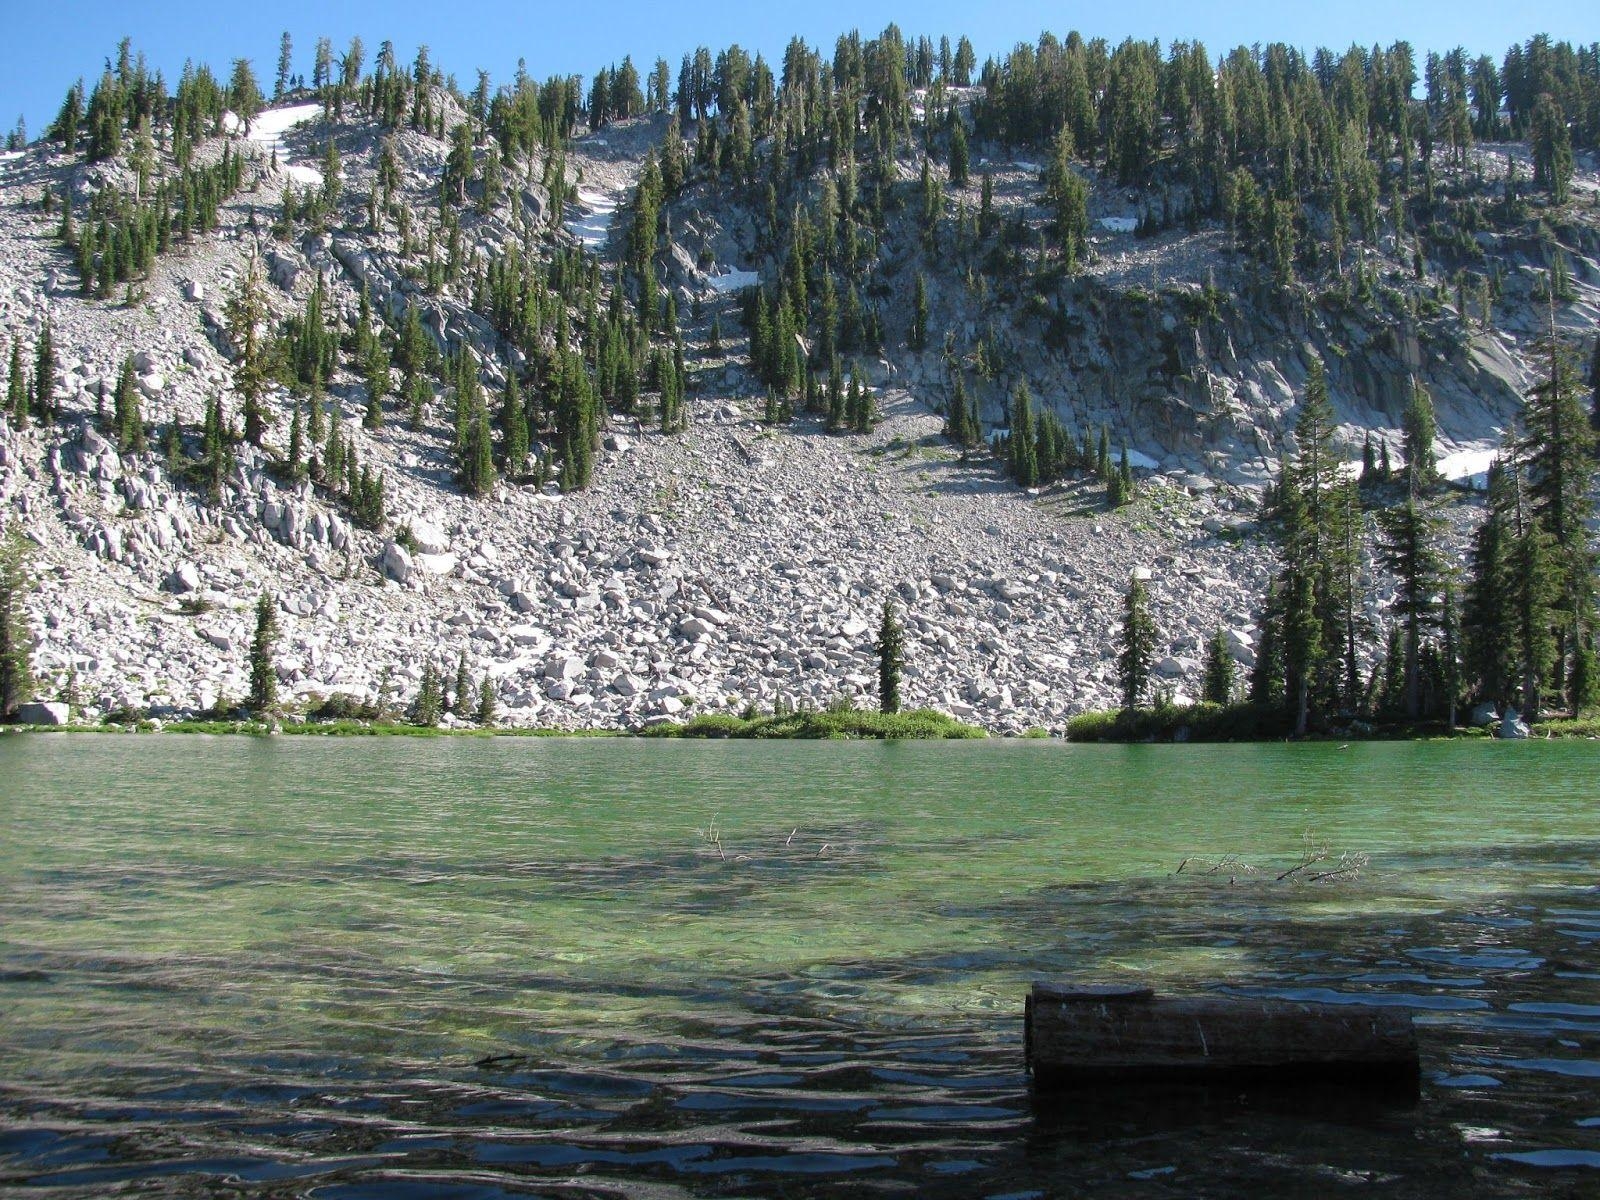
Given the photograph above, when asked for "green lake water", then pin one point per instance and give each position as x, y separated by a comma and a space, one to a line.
475, 968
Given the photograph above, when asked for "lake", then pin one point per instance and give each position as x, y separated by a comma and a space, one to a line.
470, 968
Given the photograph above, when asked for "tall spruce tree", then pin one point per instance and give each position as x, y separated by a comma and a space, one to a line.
263, 672
1219, 672
1410, 549
16, 652
891, 646
1138, 643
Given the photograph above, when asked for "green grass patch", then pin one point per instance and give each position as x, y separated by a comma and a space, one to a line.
920, 724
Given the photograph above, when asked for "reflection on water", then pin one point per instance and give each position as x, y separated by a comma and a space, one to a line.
579, 969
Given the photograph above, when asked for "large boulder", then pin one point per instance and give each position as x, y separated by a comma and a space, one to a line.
1513, 726
428, 537
184, 579
44, 712
397, 564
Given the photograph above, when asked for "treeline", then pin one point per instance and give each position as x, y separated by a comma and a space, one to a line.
1516, 629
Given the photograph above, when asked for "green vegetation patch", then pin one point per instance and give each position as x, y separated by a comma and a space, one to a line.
922, 724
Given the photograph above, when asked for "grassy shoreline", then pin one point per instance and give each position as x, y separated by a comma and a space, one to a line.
921, 725
1189, 723
1205, 722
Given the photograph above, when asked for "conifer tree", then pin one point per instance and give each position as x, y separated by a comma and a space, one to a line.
1419, 429
487, 703
1219, 673
17, 391
244, 95
246, 311
513, 430
919, 314
1409, 549
891, 657
16, 654
1138, 643
285, 64
263, 674
1024, 446
958, 156
429, 705
44, 376
126, 415
463, 691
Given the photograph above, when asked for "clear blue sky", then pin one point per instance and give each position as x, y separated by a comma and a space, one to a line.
49, 43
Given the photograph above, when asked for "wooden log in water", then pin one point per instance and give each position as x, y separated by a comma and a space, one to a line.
1083, 1036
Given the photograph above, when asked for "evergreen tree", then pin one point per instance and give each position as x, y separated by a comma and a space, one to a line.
1558, 449
1551, 143
1024, 445
244, 94
919, 314
285, 63
246, 311
1218, 684
17, 392
891, 658
429, 706
958, 156
44, 376
16, 653
1419, 429
263, 674
513, 430
487, 703
1409, 549
1138, 643
126, 415
463, 692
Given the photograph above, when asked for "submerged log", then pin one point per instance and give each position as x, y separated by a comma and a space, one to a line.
1081, 1036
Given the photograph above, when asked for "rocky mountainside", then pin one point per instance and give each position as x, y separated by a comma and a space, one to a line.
735, 562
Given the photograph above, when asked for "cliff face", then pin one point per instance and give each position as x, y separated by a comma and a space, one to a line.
731, 563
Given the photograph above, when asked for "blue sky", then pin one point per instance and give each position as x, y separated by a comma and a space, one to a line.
48, 45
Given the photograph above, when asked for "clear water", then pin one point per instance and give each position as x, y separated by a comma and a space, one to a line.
464, 968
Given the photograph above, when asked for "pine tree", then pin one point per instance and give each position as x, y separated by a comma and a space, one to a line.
1138, 643
463, 690
126, 414
1409, 549
429, 706
1419, 429
44, 376
891, 658
285, 63
263, 674
513, 430
487, 704
959, 153
246, 311
17, 397
244, 95
1218, 684
1024, 446
919, 317
16, 654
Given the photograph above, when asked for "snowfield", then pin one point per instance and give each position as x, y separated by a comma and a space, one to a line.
732, 281
593, 227
267, 131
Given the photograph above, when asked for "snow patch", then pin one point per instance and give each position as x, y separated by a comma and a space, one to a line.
1469, 466
593, 227
733, 281
267, 131
10, 156
1119, 224
1144, 462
